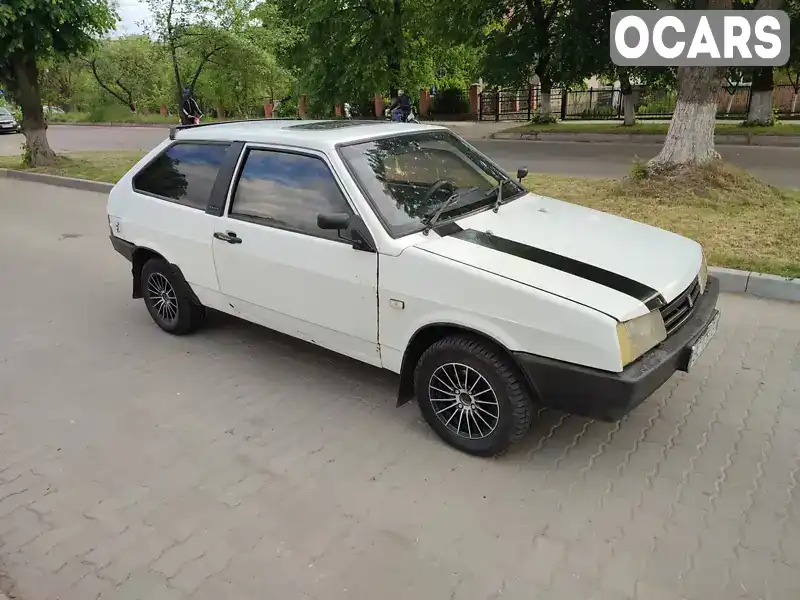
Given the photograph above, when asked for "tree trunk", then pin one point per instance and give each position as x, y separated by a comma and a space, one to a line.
25, 83
628, 110
760, 110
690, 138
628, 104
395, 49
174, 55
545, 88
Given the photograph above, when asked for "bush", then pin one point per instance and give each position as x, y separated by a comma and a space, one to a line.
639, 169
542, 119
599, 112
657, 103
110, 113
450, 101
287, 109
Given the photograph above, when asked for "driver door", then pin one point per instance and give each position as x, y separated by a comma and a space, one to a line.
278, 268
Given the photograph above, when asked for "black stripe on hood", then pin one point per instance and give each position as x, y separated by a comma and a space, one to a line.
645, 294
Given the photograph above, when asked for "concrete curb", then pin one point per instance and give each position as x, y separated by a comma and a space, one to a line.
786, 141
731, 281
68, 182
762, 285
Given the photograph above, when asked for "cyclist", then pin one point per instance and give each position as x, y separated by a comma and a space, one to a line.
190, 111
401, 107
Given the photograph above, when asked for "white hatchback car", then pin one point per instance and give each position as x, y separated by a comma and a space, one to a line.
404, 247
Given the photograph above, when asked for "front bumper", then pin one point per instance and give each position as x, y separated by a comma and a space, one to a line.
609, 396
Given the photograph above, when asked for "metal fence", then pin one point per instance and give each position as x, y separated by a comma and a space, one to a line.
515, 105
522, 104
449, 103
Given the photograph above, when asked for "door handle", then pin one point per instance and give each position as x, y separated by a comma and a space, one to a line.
228, 236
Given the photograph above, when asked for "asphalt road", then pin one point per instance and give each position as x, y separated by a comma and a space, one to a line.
778, 166
239, 464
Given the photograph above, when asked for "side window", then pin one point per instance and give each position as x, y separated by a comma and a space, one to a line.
184, 173
287, 191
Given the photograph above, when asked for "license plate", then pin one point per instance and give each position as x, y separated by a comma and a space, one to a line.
703, 340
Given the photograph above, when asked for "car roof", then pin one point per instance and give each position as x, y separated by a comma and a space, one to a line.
312, 134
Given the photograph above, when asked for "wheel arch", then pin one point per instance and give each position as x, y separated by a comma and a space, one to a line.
143, 254
428, 335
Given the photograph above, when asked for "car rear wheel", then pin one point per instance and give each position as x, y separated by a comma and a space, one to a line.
167, 300
473, 396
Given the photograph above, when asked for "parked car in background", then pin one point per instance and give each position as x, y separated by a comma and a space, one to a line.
52, 109
402, 246
8, 122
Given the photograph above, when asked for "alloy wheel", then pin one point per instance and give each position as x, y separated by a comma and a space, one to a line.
464, 401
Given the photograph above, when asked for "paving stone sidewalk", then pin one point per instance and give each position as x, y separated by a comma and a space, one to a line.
238, 464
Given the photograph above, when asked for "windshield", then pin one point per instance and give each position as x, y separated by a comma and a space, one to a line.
398, 174
4, 112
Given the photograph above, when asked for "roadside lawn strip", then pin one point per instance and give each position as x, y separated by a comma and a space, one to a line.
94, 166
615, 127
741, 222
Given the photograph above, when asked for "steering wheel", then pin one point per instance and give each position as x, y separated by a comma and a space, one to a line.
433, 189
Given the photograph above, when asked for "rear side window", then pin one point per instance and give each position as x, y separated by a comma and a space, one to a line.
184, 173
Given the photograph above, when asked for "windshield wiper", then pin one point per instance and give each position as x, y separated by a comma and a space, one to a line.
432, 219
499, 188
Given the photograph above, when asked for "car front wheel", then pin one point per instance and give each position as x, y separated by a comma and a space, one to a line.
473, 396
166, 300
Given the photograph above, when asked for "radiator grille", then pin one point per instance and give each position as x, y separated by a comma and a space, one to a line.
677, 312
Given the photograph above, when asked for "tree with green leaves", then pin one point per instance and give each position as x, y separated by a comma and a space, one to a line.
348, 52
352, 50
531, 35
63, 81
32, 31
192, 32
586, 25
128, 69
249, 70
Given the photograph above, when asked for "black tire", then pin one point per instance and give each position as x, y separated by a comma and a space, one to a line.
514, 404
186, 315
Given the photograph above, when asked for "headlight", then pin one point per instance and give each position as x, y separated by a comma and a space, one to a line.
702, 277
639, 335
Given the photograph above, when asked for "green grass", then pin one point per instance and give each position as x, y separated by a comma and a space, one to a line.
741, 222
95, 166
654, 128
104, 117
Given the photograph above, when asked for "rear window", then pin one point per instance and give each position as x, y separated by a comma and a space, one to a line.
184, 173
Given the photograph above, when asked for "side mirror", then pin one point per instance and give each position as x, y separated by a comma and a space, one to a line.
522, 173
353, 226
337, 221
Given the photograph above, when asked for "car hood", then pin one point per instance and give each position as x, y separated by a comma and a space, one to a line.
617, 266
